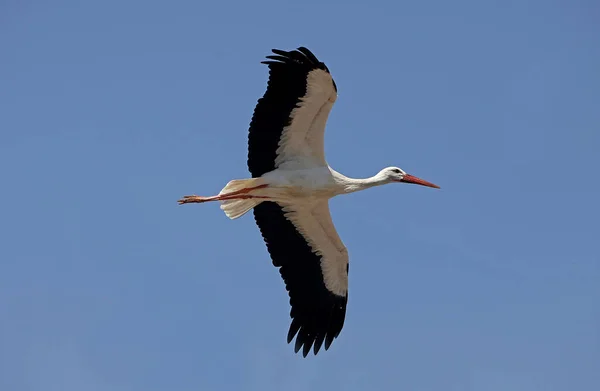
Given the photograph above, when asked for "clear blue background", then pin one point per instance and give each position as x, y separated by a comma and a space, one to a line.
112, 110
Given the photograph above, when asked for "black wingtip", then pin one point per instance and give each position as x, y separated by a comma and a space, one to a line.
300, 55
328, 341
280, 52
307, 346
308, 54
294, 327
297, 345
318, 343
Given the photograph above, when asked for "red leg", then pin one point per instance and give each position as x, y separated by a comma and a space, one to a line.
222, 197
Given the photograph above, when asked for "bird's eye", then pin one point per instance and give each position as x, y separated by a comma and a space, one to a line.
396, 171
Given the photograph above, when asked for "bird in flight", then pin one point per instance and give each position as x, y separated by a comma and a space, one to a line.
289, 193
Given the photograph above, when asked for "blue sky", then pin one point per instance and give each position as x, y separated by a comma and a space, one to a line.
113, 110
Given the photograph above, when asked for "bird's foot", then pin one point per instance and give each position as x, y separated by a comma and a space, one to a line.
189, 199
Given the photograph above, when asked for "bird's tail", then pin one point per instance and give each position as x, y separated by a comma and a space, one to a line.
235, 208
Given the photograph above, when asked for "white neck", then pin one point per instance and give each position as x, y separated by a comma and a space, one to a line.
351, 185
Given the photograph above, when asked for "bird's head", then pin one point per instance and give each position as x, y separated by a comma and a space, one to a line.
395, 174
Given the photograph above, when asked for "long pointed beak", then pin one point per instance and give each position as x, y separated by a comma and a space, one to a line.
418, 181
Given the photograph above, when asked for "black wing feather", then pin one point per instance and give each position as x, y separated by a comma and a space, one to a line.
288, 72
317, 314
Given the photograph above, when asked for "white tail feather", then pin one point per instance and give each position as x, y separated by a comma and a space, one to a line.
237, 208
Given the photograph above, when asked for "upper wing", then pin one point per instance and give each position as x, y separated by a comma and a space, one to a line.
288, 123
313, 263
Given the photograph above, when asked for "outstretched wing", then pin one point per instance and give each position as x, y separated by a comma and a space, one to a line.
313, 263
288, 124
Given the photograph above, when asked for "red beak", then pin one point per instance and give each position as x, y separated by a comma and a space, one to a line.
418, 181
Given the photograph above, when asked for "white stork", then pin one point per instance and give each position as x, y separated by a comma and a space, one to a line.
290, 189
